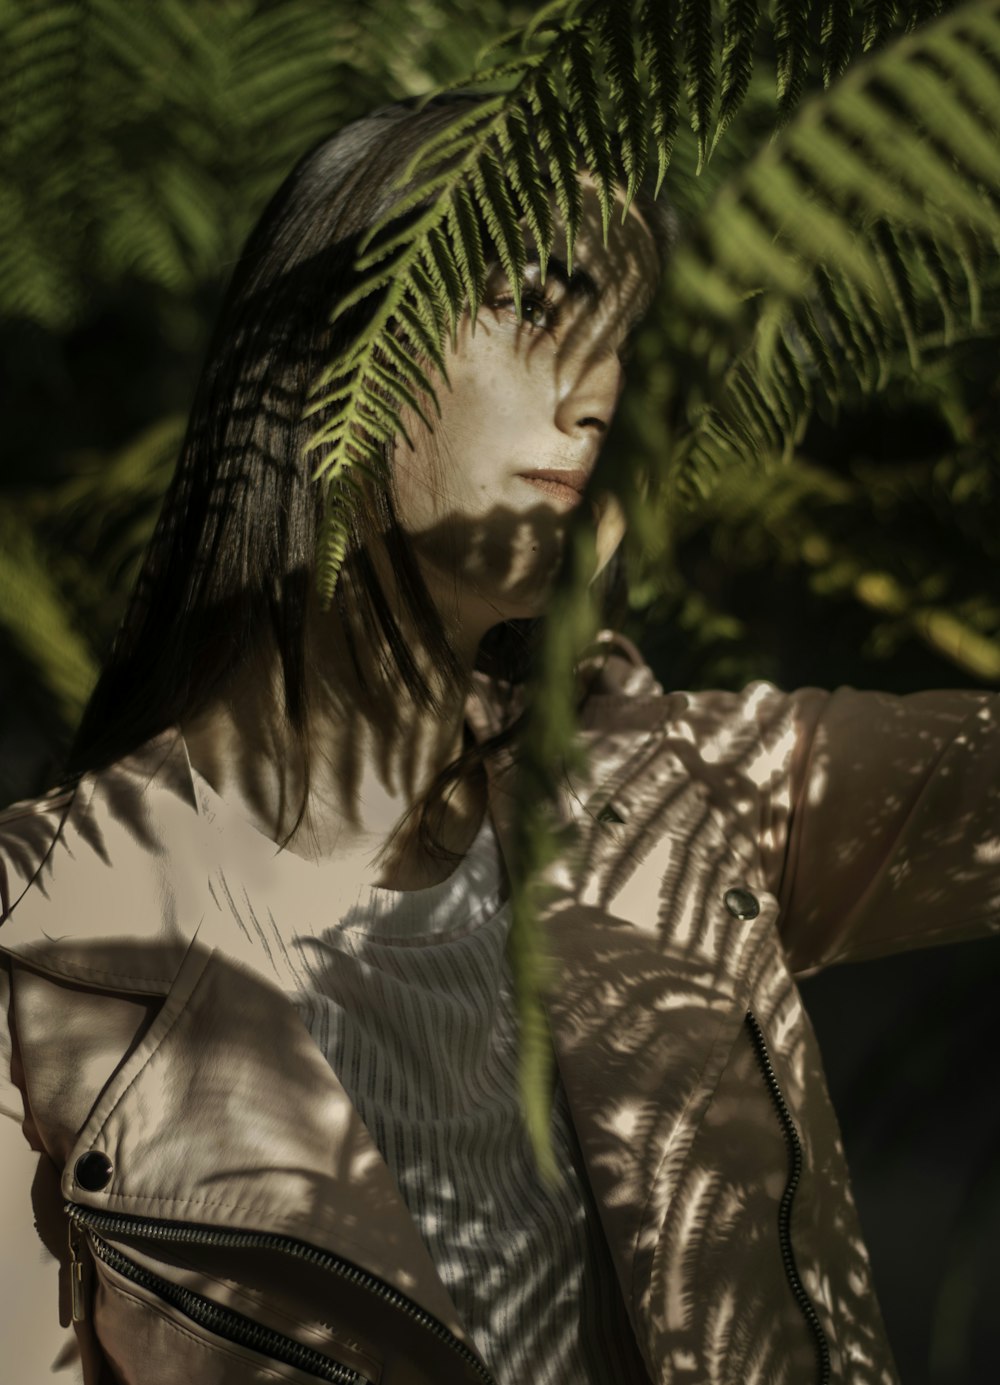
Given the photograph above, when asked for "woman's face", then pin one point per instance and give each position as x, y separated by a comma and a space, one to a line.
525, 394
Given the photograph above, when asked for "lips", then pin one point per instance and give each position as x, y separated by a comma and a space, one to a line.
573, 477
563, 484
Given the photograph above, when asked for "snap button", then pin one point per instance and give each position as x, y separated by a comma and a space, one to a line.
93, 1171
742, 904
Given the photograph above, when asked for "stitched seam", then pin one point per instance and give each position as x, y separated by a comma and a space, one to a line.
30, 949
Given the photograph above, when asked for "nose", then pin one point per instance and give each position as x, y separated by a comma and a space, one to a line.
588, 392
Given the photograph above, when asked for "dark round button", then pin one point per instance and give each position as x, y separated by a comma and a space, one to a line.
742, 904
93, 1171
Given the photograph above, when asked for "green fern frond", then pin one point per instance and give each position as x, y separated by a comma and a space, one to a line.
966, 249
869, 316
491, 48
841, 323
398, 393
879, 17
585, 110
85, 88
657, 23
441, 145
531, 973
898, 280
554, 140
818, 369
409, 363
699, 54
919, 12
549, 747
426, 285
792, 47
943, 286
836, 38
927, 92
526, 181
468, 246
618, 42
424, 320
337, 512
739, 34
557, 13
439, 262
490, 187
857, 158
788, 210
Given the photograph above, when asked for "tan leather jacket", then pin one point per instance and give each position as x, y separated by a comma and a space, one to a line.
189, 1195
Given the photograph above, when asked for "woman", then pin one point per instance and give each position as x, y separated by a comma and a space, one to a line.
259, 1048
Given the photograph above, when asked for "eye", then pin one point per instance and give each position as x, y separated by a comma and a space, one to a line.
534, 300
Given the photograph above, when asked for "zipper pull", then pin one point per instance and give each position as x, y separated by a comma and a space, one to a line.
76, 1269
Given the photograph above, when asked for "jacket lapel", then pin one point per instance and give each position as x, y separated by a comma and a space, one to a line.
225, 1113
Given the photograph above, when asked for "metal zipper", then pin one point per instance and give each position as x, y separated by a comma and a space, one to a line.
785, 1210
224, 1321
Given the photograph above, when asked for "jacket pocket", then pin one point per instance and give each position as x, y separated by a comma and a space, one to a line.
150, 1326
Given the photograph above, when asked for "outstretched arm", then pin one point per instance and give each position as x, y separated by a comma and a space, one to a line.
881, 822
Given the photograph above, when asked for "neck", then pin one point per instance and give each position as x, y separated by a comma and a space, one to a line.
374, 753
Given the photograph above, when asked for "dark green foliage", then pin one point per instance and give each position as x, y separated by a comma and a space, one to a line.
792, 48
742, 19
616, 37
657, 23
836, 38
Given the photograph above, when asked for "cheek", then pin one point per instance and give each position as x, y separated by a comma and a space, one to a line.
455, 468
423, 473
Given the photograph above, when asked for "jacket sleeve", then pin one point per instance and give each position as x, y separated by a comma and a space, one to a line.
880, 821
36, 1328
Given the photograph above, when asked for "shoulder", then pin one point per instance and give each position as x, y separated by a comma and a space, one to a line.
29, 830
720, 723
115, 857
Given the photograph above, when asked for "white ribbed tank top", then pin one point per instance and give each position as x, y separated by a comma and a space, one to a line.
409, 996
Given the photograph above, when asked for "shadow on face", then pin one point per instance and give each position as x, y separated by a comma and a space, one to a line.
528, 394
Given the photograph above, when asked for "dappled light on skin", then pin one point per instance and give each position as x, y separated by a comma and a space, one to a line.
535, 393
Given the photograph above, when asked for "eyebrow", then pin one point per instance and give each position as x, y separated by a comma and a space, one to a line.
579, 284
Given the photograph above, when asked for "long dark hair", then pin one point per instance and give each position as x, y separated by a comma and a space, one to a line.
227, 570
